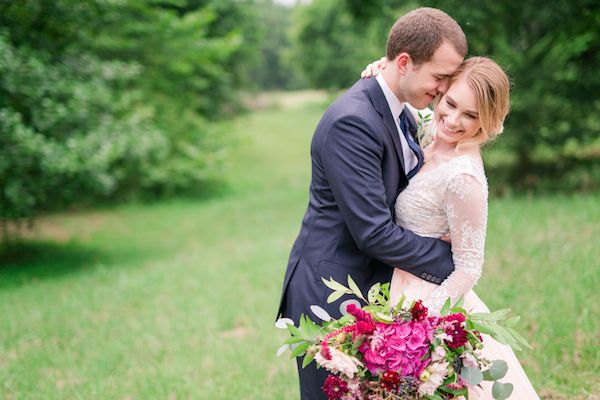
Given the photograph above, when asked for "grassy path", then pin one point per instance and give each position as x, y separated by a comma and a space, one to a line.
176, 300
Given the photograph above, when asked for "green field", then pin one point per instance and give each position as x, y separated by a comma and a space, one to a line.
176, 300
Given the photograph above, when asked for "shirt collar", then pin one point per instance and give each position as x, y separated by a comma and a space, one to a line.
395, 105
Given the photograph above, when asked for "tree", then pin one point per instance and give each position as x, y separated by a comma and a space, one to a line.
551, 52
105, 100
331, 47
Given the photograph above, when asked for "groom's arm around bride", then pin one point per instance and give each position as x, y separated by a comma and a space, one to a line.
360, 162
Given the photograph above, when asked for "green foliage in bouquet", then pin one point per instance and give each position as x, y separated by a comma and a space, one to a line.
342, 345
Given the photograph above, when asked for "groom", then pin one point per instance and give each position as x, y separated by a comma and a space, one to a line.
363, 155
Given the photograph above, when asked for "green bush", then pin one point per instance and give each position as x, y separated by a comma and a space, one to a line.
68, 134
110, 100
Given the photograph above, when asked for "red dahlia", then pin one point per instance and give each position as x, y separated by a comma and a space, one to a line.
418, 311
390, 381
335, 387
454, 328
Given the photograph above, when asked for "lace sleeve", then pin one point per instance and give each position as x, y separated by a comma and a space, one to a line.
465, 203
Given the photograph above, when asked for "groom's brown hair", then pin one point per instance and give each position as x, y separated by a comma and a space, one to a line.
420, 32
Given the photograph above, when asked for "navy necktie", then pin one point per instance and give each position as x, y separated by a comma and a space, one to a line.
404, 127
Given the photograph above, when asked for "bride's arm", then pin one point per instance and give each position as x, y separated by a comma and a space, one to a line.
466, 210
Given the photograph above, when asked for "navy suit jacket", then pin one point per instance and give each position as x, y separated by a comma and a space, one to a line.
348, 227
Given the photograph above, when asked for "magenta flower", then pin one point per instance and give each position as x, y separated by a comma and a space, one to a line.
335, 387
398, 347
455, 329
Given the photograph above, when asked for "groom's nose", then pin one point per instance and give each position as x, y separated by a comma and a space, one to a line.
443, 85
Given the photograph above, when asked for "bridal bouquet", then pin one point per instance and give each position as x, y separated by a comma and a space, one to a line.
393, 352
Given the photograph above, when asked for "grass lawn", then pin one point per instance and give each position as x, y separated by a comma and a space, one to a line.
176, 300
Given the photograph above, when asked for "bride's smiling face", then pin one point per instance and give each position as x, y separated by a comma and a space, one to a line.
456, 113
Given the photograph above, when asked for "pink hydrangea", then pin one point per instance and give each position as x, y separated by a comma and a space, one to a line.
398, 347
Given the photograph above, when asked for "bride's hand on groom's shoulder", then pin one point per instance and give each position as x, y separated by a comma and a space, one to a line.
374, 68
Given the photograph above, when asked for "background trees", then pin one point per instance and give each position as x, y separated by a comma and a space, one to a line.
551, 52
114, 99
111, 100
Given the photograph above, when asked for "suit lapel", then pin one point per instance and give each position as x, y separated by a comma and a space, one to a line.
381, 106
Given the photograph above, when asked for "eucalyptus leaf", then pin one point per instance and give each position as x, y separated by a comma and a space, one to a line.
446, 307
320, 312
294, 330
314, 331
384, 317
483, 328
354, 287
507, 337
334, 296
456, 309
333, 285
494, 316
499, 315
373, 292
459, 302
294, 340
479, 316
519, 338
501, 391
282, 350
300, 349
282, 323
398, 305
497, 370
357, 343
307, 359
472, 375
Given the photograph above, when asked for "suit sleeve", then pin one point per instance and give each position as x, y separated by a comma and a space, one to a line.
351, 157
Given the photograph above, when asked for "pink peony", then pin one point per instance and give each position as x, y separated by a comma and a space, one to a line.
339, 362
397, 347
433, 377
469, 360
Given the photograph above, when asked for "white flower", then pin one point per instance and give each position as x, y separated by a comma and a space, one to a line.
444, 337
469, 360
339, 362
438, 353
437, 372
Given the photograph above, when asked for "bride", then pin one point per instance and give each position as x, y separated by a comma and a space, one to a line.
448, 196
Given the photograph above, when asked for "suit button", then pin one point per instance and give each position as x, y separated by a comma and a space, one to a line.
423, 275
428, 277
438, 280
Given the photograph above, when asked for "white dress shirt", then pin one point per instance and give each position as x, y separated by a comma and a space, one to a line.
410, 158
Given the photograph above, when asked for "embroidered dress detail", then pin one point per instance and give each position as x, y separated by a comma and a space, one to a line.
452, 198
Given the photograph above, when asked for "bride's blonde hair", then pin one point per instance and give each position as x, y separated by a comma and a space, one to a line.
492, 87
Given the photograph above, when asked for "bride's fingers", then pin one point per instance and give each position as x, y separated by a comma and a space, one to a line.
367, 72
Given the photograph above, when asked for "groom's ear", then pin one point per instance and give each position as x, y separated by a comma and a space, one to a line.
402, 62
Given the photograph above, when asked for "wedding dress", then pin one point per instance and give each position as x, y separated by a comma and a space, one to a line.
452, 198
